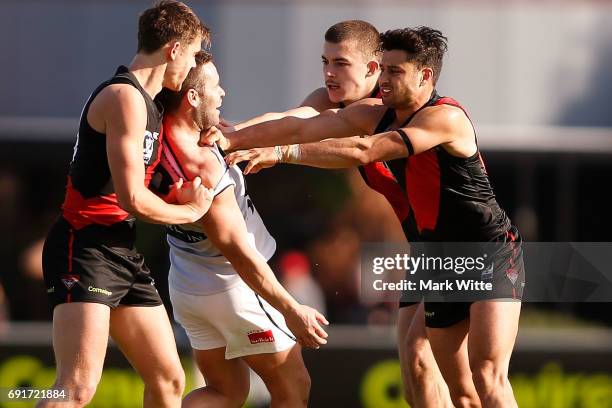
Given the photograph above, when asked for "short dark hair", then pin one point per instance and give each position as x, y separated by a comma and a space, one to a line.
362, 32
169, 20
171, 100
424, 46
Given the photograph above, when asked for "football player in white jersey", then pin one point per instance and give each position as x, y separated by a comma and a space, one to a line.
235, 312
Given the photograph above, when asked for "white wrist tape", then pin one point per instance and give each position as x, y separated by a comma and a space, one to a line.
279, 154
292, 154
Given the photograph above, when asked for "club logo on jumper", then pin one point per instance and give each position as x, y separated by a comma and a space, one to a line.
512, 274
261, 336
99, 290
70, 280
149, 145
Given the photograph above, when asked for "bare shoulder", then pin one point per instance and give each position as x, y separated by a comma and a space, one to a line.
120, 95
319, 100
203, 162
443, 117
114, 105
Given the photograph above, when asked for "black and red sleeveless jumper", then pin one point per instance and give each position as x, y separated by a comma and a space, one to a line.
436, 196
89, 254
90, 194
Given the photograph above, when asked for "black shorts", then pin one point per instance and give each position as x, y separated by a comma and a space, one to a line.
507, 275
442, 314
407, 304
96, 264
446, 314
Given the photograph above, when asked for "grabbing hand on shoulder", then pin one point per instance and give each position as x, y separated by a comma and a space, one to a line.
211, 136
193, 194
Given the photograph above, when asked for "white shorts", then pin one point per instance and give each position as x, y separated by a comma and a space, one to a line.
237, 319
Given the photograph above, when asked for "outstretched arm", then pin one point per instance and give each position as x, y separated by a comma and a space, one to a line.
444, 126
302, 112
329, 154
348, 152
316, 102
358, 119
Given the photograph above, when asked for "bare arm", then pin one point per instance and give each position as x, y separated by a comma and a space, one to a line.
445, 126
264, 157
358, 119
440, 126
303, 112
348, 152
125, 122
327, 154
316, 102
225, 227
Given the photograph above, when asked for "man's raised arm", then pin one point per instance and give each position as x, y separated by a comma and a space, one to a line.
303, 112
357, 119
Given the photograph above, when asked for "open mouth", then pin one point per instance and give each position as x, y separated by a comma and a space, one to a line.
385, 91
332, 86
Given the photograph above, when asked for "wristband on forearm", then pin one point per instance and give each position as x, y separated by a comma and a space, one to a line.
292, 153
278, 150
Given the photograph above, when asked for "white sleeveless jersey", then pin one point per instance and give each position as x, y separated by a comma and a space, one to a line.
197, 266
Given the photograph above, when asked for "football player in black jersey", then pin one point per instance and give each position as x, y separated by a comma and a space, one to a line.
96, 280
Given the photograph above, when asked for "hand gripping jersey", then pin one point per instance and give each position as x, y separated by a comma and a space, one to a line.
90, 194
197, 266
437, 196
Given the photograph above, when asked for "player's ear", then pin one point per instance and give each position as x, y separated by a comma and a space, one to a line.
174, 49
193, 97
426, 75
373, 68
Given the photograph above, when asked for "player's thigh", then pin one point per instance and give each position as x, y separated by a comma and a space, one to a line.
493, 329
283, 369
80, 338
226, 376
413, 324
411, 332
145, 336
405, 315
450, 349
